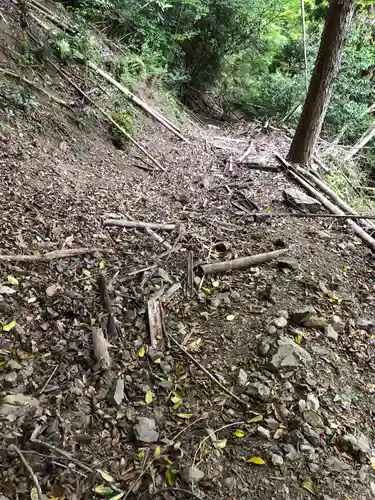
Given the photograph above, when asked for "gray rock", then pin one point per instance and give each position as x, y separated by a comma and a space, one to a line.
242, 378
9, 378
280, 322
299, 316
289, 355
272, 423
259, 391
298, 199
338, 323
296, 438
18, 405
272, 330
264, 346
315, 322
288, 263
366, 324
145, 430
331, 333
277, 460
215, 302
313, 419
230, 482
192, 475
165, 368
358, 446
14, 365
263, 432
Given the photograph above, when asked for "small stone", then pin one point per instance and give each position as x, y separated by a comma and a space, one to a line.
280, 322
192, 475
215, 302
51, 290
145, 430
154, 354
259, 391
234, 295
315, 322
296, 438
263, 432
288, 263
312, 402
277, 460
331, 333
230, 482
323, 235
264, 346
298, 199
366, 324
282, 314
242, 378
272, 330
165, 368
289, 355
299, 316
272, 423
10, 378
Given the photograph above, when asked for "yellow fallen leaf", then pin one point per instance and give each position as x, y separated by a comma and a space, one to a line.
157, 451
142, 351
157, 361
238, 433
298, 338
230, 317
206, 290
86, 273
256, 461
170, 477
185, 415
13, 281
141, 455
346, 268
103, 490
309, 486
257, 418
148, 397
176, 400
101, 265
9, 326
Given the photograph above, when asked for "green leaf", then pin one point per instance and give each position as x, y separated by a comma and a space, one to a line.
157, 451
142, 351
101, 265
148, 397
12, 280
238, 433
170, 477
34, 494
9, 326
86, 273
105, 476
185, 415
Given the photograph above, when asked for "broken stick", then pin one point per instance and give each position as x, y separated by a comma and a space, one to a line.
246, 152
104, 296
47, 257
39, 492
138, 224
101, 352
242, 263
155, 322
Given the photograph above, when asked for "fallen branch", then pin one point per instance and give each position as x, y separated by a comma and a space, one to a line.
51, 17
328, 191
47, 257
138, 224
101, 352
136, 100
363, 140
201, 367
39, 492
109, 118
242, 263
104, 296
267, 215
190, 274
155, 323
259, 166
246, 152
361, 233
35, 86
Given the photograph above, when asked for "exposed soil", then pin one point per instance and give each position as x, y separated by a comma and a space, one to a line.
311, 424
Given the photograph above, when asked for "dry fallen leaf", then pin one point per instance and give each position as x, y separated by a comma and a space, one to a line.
12, 280
309, 486
257, 418
51, 290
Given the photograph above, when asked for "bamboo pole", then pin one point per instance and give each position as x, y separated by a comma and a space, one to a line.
361, 233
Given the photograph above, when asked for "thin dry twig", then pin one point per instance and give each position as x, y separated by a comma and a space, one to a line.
47, 257
213, 434
29, 470
222, 387
138, 224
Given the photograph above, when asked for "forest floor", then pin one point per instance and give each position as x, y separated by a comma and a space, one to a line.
296, 416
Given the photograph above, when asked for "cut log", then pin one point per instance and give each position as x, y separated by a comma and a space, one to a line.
138, 225
101, 352
242, 263
361, 233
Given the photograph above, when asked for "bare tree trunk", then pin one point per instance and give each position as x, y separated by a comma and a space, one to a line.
326, 69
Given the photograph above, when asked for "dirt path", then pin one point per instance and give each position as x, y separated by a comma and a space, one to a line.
308, 389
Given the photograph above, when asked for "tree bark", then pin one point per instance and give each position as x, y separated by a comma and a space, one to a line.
326, 69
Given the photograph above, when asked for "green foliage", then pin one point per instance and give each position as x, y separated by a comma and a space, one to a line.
125, 119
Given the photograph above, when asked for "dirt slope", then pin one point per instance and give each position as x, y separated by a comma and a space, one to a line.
307, 389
